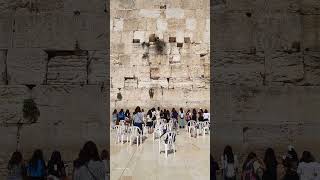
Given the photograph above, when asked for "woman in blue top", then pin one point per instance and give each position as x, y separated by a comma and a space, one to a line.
138, 118
36, 169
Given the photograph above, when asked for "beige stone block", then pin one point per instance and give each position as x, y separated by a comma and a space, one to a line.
162, 25
6, 21
34, 31
151, 25
12, 98
135, 24
3, 58
118, 24
148, 13
176, 24
98, 66
191, 24
310, 32
176, 13
26, 66
179, 71
67, 69
284, 67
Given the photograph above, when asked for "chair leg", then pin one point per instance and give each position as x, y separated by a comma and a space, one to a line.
166, 150
174, 149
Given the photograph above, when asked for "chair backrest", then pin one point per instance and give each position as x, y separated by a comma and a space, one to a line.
201, 124
122, 122
192, 123
134, 130
171, 136
207, 124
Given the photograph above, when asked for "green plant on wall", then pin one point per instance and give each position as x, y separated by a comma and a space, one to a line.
159, 45
31, 112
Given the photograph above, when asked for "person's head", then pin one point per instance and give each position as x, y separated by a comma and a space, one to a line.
127, 111
137, 109
55, 157
205, 111
88, 152
292, 153
121, 110
251, 156
16, 158
115, 111
270, 158
188, 111
105, 155
228, 153
37, 156
142, 110
181, 110
194, 111
306, 157
158, 108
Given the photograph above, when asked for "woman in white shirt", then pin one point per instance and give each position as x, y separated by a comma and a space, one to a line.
206, 115
307, 168
229, 164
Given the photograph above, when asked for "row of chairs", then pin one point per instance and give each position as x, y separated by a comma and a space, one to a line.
198, 127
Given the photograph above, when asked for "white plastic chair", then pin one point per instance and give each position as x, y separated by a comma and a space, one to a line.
119, 131
157, 131
191, 126
206, 127
170, 143
200, 126
135, 132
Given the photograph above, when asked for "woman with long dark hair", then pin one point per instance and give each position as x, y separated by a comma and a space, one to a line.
16, 167
114, 118
271, 164
307, 166
89, 166
138, 118
194, 115
36, 169
290, 162
56, 168
252, 168
229, 164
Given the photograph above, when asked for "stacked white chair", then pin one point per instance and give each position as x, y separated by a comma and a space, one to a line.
170, 144
200, 126
206, 127
119, 132
135, 133
191, 126
157, 131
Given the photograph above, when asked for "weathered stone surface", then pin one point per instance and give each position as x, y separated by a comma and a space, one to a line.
312, 70
45, 31
3, 66
11, 98
68, 69
311, 29
26, 66
98, 65
238, 68
284, 67
6, 29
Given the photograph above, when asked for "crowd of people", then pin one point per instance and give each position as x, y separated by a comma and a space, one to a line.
88, 166
140, 117
268, 168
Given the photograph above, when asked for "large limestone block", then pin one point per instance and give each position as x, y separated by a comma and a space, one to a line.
67, 118
90, 31
148, 13
98, 66
26, 66
311, 70
272, 30
3, 66
310, 6
135, 24
284, 67
310, 32
11, 98
67, 69
233, 31
176, 13
238, 68
49, 31
179, 71
6, 29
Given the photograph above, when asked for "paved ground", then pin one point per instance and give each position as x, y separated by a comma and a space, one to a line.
191, 162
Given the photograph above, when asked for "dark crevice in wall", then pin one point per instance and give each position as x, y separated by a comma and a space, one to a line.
88, 70
5, 73
55, 53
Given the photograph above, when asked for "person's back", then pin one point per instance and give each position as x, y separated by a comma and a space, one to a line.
37, 171
138, 118
93, 170
307, 171
15, 172
56, 169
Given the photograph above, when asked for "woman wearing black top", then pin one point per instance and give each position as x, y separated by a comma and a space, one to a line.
271, 164
168, 116
200, 118
194, 115
56, 169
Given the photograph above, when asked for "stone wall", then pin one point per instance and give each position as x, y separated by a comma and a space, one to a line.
141, 74
266, 75
56, 53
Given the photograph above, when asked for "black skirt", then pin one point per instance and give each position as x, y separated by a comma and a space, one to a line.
149, 124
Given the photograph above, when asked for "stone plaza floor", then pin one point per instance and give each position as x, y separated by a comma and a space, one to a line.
191, 161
